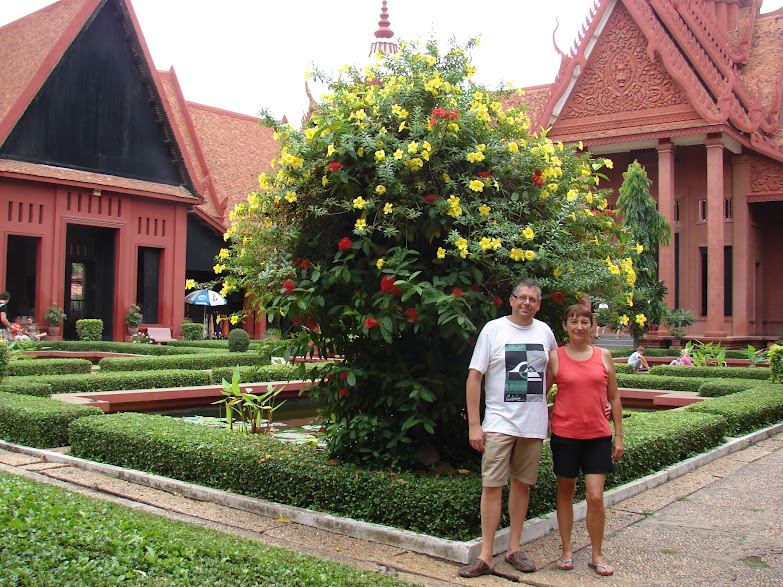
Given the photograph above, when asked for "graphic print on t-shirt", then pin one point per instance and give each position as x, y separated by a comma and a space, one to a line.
525, 367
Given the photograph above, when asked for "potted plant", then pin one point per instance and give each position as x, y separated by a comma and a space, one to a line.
678, 320
132, 319
54, 316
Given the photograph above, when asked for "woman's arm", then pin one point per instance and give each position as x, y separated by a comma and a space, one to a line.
613, 395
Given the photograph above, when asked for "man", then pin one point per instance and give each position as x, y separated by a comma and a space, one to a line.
512, 352
32, 331
638, 361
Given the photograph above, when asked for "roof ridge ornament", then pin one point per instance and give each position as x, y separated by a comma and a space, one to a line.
384, 32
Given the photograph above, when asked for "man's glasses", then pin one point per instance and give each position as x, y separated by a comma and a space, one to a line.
524, 299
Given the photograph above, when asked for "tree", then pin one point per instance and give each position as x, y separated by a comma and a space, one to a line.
396, 225
644, 306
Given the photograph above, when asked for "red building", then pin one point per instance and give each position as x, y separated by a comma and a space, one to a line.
692, 90
113, 188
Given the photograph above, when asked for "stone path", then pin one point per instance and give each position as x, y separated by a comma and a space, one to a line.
721, 524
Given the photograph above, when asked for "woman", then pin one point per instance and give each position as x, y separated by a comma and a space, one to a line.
581, 435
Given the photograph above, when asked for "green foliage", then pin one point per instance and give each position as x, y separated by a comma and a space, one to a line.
80, 346
624, 368
49, 367
56, 537
756, 357
27, 386
719, 387
746, 411
192, 331
707, 354
134, 316
201, 361
649, 381
54, 315
678, 321
4, 360
238, 341
119, 380
253, 411
37, 421
712, 372
89, 329
775, 356
396, 226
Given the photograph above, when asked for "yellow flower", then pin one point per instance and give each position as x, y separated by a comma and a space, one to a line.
516, 254
461, 244
330, 150
608, 163
324, 180
290, 196
190, 284
475, 157
219, 268
361, 224
380, 190
359, 202
639, 248
446, 178
223, 254
360, 151
485, 243
513, 147
426, 146
441, 253
453, 201
476, 185
413, 147
614, 269
379, 155
581, 146
234, 319
463, 253
624, 320
629, 300
401, 127
379, 263
529, 234
496, 244
557, 273
425, 155
484, 210
414, 163
530, 255
388, 208
398, 154
640, 320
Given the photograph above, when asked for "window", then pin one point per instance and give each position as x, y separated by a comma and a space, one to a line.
727, 209
677, 210
702, 210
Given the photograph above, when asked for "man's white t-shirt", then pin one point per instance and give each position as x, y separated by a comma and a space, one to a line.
513, 359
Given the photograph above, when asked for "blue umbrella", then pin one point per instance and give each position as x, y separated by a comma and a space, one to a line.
205, 297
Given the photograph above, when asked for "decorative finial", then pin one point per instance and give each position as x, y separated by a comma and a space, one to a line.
384, 32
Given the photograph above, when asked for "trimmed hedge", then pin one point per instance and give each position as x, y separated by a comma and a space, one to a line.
39, 422
647, 381
625, 368
746, 411
304, 477
201, 361
119, 380
48, 367
713, 372
649, 352
27, 386
134, 348
721, 387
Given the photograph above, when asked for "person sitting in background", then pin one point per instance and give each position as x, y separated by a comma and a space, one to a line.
31, 330
684, 359
638, 361
18, 330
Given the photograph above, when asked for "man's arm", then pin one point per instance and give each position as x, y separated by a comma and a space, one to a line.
473, 400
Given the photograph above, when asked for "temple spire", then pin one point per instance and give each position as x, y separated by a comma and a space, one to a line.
383, 32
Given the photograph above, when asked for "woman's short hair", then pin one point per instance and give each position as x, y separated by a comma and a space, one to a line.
578, 311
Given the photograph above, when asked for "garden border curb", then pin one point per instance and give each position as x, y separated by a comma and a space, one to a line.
461, 552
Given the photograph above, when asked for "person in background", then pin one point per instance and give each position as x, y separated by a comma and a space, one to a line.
18, 330
684, 359
638, 361
581, 435
512, 352
6, 328
32, 331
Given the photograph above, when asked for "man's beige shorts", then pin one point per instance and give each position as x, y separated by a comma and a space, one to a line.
504, 455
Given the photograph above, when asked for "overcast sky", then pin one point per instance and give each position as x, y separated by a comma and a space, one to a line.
244, 55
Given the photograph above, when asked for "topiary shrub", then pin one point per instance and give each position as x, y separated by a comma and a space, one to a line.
39, 422
3, 361
775, 356
192, 331
238, 341
89, 329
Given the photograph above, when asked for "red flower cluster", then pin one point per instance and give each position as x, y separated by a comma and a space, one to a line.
370, 322
344, 375
334, 166
557, 296
484, 174
412, 315
458, 293
288, 286
443, 114
536, 177
343, 392
303, 263
430, 198
344, 244
310, 323
475, 287
498, 301
387, 285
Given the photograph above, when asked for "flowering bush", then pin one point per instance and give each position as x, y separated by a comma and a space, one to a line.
134, 316
397, 222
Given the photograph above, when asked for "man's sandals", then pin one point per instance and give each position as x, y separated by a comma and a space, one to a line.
517, 559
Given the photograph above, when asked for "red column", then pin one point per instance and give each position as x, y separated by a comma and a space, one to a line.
715, 241
666, 207
743, 285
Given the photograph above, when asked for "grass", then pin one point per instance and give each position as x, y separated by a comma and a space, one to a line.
53, 537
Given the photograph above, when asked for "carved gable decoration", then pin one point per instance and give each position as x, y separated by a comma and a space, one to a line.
766, 175
620, 76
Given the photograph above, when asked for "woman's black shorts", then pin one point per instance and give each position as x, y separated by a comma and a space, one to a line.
592, 455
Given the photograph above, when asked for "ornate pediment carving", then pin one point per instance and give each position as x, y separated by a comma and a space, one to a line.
620, 76
766, 175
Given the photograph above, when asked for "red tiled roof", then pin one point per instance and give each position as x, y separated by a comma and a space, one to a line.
48, 173
236, 148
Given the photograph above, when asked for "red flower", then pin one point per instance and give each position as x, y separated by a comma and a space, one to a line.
443, 114
537, 179
497, 300
537, 172
484, 174
412, 315
344, 244
430, 198
305, 264
387, 285
557, 296
475, 287
334, 166
343, 392
458, 293
297, 320
310, 323
329, 377
288, 286
344, 375
370, 322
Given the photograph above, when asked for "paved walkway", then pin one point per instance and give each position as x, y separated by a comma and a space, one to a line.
721, 524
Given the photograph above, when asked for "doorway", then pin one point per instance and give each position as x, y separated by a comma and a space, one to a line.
20, 278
